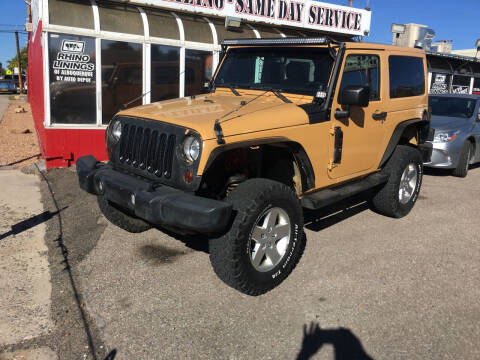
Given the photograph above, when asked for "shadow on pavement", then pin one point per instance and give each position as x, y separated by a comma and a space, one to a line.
317, 220
197, 242
111, 355
157, 254
445, 172
346, 345
30, 223
36, 156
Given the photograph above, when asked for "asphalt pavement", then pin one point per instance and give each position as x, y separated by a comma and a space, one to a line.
366, 287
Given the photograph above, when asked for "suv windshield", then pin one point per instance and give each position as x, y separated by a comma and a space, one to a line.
299, 70
452, 106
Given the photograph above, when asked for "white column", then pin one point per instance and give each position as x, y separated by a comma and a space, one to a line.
147, 64
98, 62
182, 55
429, 81
255, 31
46, 80
281, 34
147, 80
215, 44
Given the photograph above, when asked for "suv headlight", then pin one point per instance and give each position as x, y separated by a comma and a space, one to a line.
191, 148
445, 136
116, 130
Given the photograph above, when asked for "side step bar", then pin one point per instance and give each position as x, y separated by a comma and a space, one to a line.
330, 196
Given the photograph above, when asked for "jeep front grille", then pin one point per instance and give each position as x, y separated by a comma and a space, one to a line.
147, 149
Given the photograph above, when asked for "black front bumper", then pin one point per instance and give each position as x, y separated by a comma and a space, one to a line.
157, 204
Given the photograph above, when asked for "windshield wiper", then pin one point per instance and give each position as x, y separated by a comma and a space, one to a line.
232, 88
281, 96
277, 94
234, 91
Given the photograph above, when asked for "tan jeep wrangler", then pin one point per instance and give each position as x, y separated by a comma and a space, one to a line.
287, 123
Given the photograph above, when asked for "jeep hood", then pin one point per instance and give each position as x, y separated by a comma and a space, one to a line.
199, 113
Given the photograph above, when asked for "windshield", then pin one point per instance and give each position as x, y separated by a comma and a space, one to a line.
452, 106
6, 84
304, 70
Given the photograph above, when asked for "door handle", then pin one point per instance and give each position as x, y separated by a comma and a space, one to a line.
379, 116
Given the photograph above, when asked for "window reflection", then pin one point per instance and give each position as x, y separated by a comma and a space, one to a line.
362, 70
198, 71
121, 77
165, 72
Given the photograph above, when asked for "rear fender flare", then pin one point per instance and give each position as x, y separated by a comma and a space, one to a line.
423, 127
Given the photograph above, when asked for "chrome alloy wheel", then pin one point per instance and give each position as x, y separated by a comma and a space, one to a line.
269, 239
408, 183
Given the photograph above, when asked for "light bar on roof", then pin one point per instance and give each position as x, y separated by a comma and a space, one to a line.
278, 41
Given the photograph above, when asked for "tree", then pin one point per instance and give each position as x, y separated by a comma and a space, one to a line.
23, 60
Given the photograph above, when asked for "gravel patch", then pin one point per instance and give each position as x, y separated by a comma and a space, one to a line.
18, 139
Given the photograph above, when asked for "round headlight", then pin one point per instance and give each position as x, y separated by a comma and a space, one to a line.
191, 148
116, 130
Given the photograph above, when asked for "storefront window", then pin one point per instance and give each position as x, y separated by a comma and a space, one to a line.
72, 79
165, 72
74, 13
461, 84
121, 77
120, 18
440, 83
198, 71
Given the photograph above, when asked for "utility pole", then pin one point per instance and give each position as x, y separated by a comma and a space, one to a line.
351, 3
20, 82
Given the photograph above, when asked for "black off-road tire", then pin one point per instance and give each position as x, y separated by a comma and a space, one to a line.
386, 201
121, 219
230, 253
464, 162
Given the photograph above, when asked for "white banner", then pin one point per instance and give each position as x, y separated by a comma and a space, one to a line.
308, 14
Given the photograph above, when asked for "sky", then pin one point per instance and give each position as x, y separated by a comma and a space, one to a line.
451, 20
12, 12
455, 20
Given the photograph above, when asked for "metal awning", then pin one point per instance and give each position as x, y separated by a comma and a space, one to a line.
452, 56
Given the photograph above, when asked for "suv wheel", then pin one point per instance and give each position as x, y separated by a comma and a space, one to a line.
464, 162
399, 194
120, 219
265, 241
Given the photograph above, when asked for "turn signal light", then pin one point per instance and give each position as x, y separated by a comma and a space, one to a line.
188, 176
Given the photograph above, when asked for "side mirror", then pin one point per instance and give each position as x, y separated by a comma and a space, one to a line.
478, 117
355, 96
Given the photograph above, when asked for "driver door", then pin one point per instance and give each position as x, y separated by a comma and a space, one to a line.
356, 140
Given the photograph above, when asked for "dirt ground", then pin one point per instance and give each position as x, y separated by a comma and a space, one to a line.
18, 140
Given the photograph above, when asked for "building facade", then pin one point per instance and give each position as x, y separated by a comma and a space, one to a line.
449, 71
90, 58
